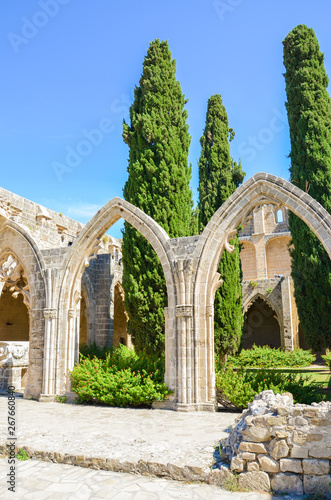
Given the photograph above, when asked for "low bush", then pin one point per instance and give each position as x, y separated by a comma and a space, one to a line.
236, 388
267, 357
91, 350
122, 378
327, 359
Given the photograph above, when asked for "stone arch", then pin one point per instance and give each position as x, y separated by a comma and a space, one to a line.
258, 190
277, 256
81, 252
17, 243
261, 189
262, 323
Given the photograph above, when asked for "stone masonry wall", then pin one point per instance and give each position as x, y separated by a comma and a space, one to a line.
282, 446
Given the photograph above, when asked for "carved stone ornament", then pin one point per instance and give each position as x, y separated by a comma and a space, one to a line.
12, 275
71, 313
14, 353
184, 311
210, 310
50, 313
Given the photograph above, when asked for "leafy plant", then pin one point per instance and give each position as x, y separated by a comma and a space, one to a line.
237, 388
253, 283
60, 399
327, 359
22, 455
122, 378
267, 357
269, 290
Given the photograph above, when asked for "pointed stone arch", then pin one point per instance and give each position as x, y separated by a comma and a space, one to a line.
84, 249
266, 313
259, 190
17, 244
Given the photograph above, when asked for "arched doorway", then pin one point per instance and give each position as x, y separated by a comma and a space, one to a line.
261, 326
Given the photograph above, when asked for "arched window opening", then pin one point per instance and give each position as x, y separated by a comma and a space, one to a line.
279, 216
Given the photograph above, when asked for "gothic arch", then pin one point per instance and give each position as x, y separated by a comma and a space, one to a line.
82, 251
15, 241
263, 323
260, 189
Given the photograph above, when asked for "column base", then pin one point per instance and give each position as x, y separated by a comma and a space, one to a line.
175, 406
47, 398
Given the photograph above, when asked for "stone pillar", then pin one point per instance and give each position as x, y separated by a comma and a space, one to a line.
49, 371
287, 332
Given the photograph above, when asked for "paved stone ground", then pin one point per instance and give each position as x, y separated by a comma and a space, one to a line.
41, 480
130, 435
127, 434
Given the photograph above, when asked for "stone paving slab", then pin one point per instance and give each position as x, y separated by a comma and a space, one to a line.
38, 480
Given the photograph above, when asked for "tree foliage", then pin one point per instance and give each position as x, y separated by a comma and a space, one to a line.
158, 183
219, 176
309, 116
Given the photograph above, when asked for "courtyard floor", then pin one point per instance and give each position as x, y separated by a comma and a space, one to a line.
127, 435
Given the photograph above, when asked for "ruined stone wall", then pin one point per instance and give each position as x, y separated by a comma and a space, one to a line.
49, 228
282, 445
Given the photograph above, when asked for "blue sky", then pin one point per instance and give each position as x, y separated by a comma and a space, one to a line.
69, 68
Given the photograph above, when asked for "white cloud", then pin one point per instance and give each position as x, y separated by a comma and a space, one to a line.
82, 210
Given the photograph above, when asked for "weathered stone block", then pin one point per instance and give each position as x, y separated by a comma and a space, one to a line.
287, 483
314, 436
320, 452
290, 465
280, 450
257, 434
253, 466
299, 437
254, 481
268, 464
316, 467
237, 464
246, 455
318, 485
277, 421
299, 452
253, 447
320, 421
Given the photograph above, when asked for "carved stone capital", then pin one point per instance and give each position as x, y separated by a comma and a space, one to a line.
184, 311
210, 310
50, 313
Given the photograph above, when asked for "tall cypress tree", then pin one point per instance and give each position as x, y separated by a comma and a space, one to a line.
219, 176
309, 116
158, 183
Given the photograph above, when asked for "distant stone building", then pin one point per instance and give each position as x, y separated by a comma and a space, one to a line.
270, 311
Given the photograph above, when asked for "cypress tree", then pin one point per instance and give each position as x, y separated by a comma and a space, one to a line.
158, 183
309, 116
219, 176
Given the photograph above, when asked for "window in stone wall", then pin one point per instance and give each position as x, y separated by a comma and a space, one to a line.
279, 216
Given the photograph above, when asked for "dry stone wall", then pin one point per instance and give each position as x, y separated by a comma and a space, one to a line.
283, 446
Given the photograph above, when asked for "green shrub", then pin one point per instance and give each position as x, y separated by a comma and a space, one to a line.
327, 359
91, 350
237, 388
267, 357
123, 378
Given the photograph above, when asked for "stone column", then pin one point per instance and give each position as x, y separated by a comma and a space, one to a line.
49, 368
287, 337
